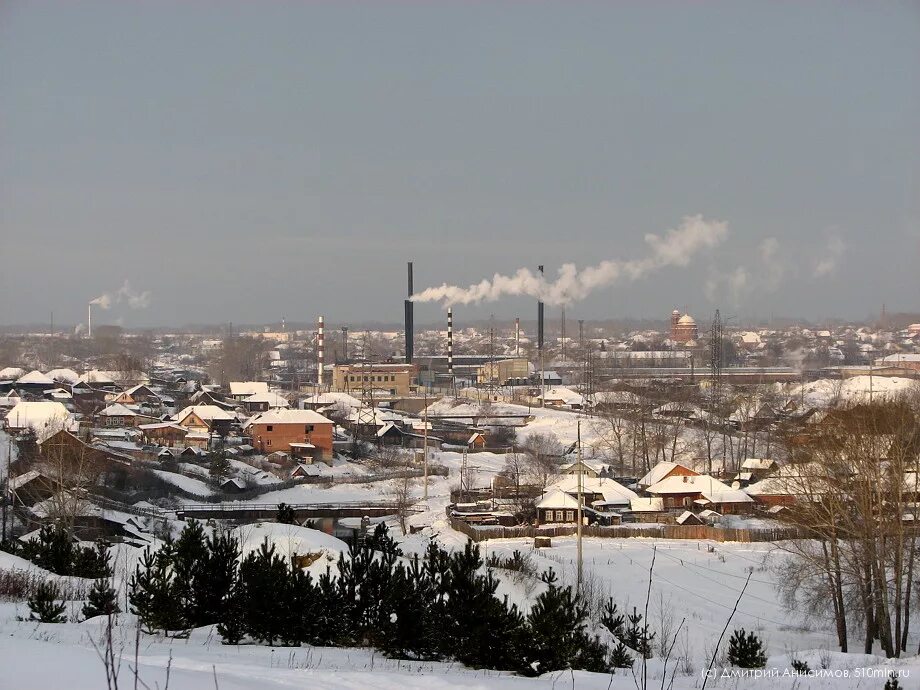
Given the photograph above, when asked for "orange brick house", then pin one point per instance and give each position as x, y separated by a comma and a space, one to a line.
280, 429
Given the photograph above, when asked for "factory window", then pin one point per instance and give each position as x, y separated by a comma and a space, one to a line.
269, 428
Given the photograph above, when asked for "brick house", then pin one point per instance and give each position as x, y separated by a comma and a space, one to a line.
276, 430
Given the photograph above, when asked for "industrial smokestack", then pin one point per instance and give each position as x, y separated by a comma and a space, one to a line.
89, 320
410, 326
517, 336
450, 341
540, 316
319, 350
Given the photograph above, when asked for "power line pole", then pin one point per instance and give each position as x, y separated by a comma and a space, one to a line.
580, 513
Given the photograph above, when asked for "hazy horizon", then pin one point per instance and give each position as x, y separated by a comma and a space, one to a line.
215, 162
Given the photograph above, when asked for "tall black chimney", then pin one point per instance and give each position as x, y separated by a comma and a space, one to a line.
410, 326
540, 317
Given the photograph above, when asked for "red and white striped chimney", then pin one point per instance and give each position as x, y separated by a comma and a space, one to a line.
319, 351
450, 341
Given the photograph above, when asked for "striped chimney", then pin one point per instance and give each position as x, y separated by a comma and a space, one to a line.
319, 351
450, 341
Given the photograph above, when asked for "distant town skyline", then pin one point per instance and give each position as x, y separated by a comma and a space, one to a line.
205, 163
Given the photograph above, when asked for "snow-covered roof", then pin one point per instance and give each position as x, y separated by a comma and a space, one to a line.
646, 505
659, 472
611, 490
566, 395
757, 464
248, 387
118, 410
332, 398
96, 376
287, 416
162, 425
557, 499
206, 413
45, 417
64, 375
709, 487
35, 377
11, 373
270, 397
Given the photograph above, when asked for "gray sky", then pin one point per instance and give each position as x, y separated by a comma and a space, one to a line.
256, 160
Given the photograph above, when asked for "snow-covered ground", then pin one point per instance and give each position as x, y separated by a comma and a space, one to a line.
826, 392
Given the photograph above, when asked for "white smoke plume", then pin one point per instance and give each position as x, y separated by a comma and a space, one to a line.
827, 264
676, 248
123, 295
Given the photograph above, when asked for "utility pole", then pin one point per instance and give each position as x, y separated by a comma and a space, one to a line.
425, 443
580, 513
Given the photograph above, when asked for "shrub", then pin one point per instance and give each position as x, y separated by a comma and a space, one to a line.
102, 601
746, 651
286, 514
45, 606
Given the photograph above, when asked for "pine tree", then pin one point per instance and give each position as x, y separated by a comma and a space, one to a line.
214, 578
615, 623
286, 515
102, 600
556, 628
45, 606
188, 555
637, 636
478, 629
231, 625
152, 593
264, 578
746, 651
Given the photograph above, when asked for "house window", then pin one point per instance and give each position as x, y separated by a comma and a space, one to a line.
569, 515
268, 442
308, 428
269, 428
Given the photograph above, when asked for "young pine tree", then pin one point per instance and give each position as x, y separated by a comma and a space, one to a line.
45, 606
638, 636
746, 651
285, 514
556, 626
152, 593
615, 623
102, 600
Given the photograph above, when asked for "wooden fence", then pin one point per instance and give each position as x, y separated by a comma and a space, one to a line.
697, 532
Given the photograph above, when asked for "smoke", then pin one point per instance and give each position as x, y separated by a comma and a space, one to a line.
827, 264
123, 295
736, 285
103, 301
676, 248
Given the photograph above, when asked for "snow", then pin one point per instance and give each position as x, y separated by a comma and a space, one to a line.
824, 392
293, 539
35, 377
192, 486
